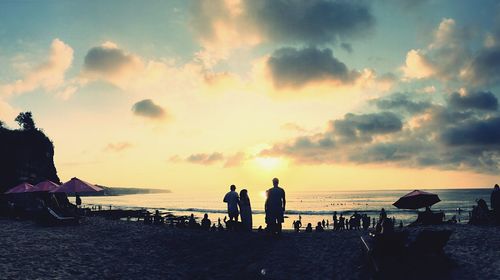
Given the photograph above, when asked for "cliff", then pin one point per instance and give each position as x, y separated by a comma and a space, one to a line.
26, 155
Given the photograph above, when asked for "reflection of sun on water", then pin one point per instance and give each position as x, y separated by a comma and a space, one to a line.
268, 163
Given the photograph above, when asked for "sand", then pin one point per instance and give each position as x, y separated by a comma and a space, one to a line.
104, 249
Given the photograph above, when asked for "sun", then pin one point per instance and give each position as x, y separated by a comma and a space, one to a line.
268, 163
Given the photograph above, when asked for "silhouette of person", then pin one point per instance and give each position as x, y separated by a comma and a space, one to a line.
245, 210
192, 222
205, 222
495, 203
78, 200
275, 207
157, 219
382, 215
232, 200
297, 225
319, 227
309, 227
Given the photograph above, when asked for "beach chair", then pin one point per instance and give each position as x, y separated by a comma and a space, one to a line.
383, 252
51, 217
430, 242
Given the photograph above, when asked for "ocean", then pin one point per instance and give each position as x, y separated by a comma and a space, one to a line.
313, 206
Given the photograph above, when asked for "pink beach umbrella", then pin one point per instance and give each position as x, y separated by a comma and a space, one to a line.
76, 185
45, 186
21, 188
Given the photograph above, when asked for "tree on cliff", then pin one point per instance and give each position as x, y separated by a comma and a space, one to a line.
25, 121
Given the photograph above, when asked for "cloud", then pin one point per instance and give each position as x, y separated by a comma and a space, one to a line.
205, 159
112, 64
224, 25
235, 160
402, 102
463, 134
485, 67
310, 22
444, 58
230, 161
476, 100
478, 133
48, 75
362, 127
453, 55
118, 147
290, 67
148, 109
417, 65
293, 127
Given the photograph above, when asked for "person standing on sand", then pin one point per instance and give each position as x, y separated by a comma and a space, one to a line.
495, 203
245, 210
275, 208
232, 200
78, 200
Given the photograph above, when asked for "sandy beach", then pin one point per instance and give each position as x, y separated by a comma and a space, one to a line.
104, 249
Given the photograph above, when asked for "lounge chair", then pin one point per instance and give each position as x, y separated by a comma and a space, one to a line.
51, 217
390, 257
430, 242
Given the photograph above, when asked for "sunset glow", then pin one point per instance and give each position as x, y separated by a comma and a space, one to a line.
202, 94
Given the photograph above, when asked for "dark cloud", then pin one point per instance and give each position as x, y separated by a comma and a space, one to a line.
285, 21
362, 127
347, 47
483, 100
401, 101
147, 108
292, 67
444, 137
474, 133
106, 60
314, 21
205, 159
485, 67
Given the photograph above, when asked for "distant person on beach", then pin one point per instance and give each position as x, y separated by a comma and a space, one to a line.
232, 200
319, 227
297, 225
78, 200
495, 203
245, 210
309, 227
341, 222
192, 222
205, 222
480, 213
275, 207
383, 215
157, 218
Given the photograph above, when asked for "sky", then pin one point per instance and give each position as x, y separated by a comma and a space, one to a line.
197, 95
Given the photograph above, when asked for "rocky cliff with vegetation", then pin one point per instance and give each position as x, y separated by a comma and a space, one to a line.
26, 154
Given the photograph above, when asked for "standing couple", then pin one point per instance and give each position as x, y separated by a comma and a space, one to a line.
274, 207
243, 202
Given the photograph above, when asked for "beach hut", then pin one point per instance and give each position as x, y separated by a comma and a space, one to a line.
76, 185
21, 188
45, 186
